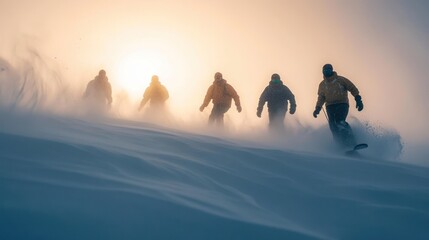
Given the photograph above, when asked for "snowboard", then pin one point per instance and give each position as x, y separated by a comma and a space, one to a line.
356, 148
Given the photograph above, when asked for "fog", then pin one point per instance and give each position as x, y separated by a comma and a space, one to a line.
56, 47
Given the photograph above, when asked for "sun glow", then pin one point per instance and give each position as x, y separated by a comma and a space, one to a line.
134, 71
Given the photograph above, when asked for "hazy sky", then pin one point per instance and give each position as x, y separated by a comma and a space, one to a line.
381, 45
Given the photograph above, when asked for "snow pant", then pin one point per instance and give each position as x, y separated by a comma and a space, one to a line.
276, 118
341, 130
216, 116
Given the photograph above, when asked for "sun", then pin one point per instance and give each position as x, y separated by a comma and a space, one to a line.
134, 71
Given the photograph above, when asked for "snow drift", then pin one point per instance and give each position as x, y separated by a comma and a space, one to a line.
69, 178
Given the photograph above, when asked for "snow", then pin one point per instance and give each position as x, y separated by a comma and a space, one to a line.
64, 177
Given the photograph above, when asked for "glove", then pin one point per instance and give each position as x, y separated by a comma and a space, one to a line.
316, 111
202, 108
359, 104
259, 112
239, 109
292, 109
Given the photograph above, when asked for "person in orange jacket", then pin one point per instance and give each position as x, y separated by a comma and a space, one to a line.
333, 91
221, 94
156, 94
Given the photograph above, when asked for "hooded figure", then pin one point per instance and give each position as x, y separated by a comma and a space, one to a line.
277, 95
156, 93
333, 91
221, 93
99, 90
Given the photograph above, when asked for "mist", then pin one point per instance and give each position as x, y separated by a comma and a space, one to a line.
54, 48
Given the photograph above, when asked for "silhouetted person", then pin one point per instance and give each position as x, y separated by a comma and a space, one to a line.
277, 95
156, 94
99, 91
222, 94
333, 91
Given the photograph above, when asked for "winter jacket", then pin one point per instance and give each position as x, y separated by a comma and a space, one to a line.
334, 90
99, 90
156, 93
277, 95
221, 93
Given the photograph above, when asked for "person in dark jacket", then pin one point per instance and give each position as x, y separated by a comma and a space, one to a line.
221, 94
333, 91
277, 95
99, 91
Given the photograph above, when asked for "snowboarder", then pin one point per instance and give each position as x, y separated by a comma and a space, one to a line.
277, 95
99, 91
333, 91
156, 94
222, 94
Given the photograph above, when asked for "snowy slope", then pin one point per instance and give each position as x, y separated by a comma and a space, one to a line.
68, 178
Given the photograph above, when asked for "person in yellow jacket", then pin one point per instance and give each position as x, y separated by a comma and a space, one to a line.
99, 91
221, 94
156, 94
333, 91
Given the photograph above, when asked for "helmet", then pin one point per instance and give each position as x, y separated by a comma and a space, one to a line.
218, 75
155, 78
275, 76
327, 70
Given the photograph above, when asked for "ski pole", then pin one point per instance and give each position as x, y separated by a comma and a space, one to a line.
326, 116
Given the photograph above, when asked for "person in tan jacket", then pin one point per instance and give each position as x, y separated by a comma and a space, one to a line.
333, 91
221, 94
